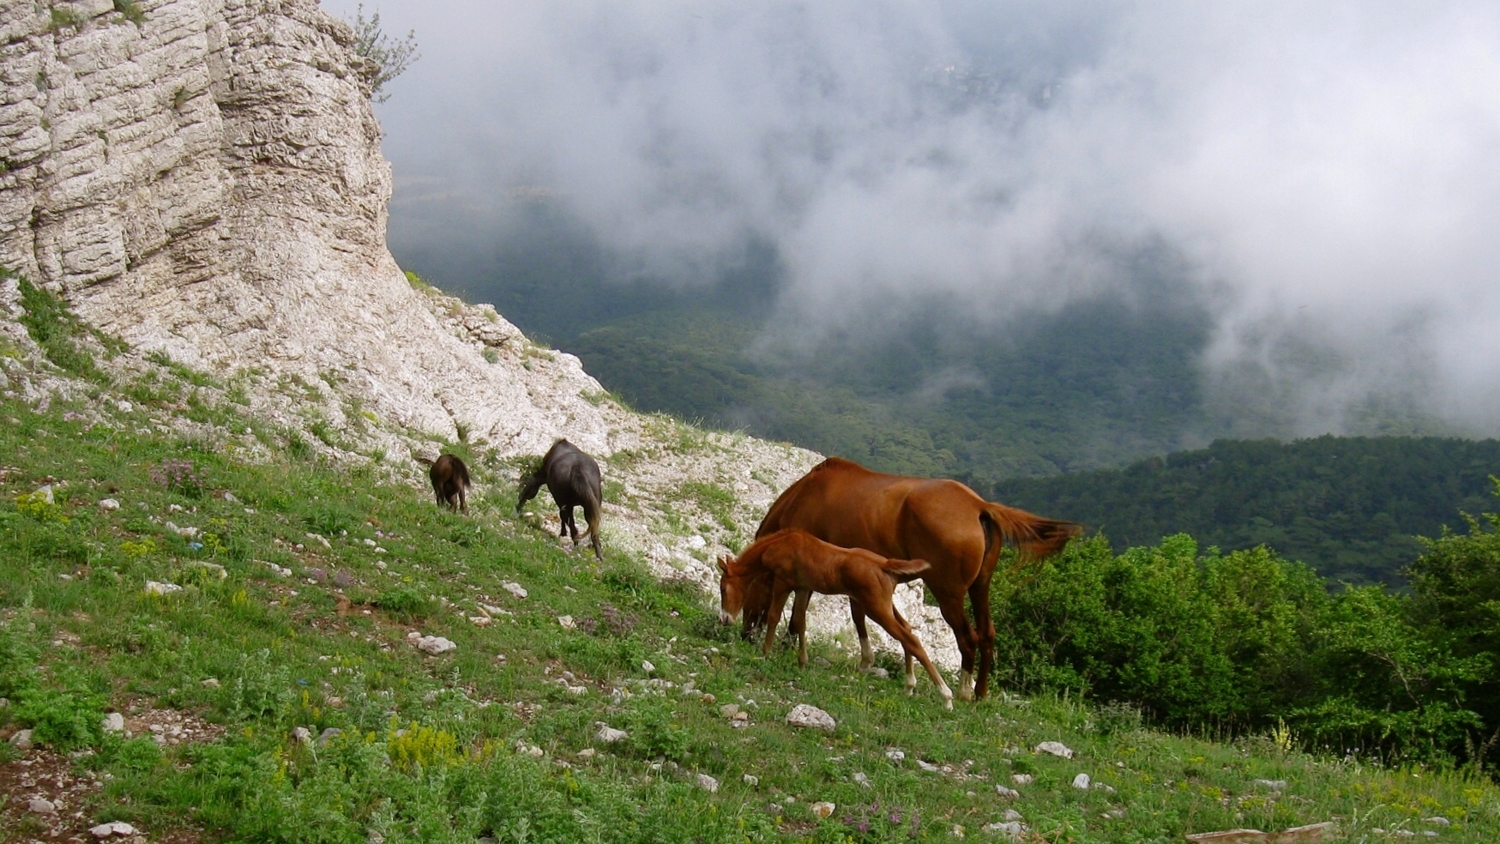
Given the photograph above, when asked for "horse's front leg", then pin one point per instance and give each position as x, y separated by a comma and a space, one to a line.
799, 620
773, 615
866, 653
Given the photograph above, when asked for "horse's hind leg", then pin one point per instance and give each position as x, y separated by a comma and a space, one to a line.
979, 597
895, 625
592, 515
963, 633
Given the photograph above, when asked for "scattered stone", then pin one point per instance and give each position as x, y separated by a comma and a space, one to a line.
895, 755
114, 722
531, 750
706, 782
1022, 779
958, 830
708, 698
729, 710
108, 504
1007, 793
608, 734
328, 734
821, 662
1437, 820
1056, 748
646, 666
1081, 781
514, 588
435, 645
1309, 834
1012, 815
316, 575
862, 779
154, 588
751, 780
1013, 829
566, 622
343, 579
46, 492
1274, 785
823, 809
877, 671
302, 735
803, 715
105, 830
587, 753
212, 568
928, 767
41, 806
480, 620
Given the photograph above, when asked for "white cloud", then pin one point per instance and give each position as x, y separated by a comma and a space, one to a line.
1331, 173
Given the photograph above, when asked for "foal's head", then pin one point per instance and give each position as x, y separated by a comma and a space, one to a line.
731, 592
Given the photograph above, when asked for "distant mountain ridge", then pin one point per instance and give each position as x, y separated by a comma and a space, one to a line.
1349, 507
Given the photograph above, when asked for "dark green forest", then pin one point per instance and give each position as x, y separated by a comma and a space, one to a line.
1350, 507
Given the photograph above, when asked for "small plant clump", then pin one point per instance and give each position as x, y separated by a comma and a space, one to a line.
179, 476
131, 11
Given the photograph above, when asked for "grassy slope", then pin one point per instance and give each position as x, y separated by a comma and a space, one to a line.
288, 652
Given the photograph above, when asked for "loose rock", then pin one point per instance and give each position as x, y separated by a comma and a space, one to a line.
113, 722
823, 809
608, 734
706, 782
1056, 748
435, 645
803, 715
41, 806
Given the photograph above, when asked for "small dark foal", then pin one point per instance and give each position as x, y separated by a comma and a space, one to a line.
450, 478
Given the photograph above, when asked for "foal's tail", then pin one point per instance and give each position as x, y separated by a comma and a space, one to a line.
905, 568
1035, 537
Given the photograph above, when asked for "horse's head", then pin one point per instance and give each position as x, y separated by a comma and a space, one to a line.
731, 592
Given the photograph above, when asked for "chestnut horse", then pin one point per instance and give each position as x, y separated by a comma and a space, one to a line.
940, 521
796, 561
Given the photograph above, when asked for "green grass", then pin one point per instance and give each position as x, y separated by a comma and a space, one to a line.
428, 748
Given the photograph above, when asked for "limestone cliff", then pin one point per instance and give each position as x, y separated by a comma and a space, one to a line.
203, 179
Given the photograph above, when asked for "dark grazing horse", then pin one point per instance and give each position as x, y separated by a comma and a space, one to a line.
940, 521
450, 478
573, 479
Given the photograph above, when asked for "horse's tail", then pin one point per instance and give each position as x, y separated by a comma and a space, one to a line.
1035, 537
905, 568
462, 474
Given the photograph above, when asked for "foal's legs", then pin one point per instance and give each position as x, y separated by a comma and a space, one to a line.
779, 593
866, 654
894, 624
799, 621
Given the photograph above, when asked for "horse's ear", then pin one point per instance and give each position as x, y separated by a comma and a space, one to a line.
724, 565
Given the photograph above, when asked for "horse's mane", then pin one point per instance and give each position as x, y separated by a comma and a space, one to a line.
750, 562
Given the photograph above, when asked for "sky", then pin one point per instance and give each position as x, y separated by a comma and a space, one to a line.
1326, 176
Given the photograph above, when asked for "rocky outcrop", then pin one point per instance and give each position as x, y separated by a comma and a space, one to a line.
207, 182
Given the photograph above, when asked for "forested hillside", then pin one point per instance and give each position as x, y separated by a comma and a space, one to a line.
1347, 506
